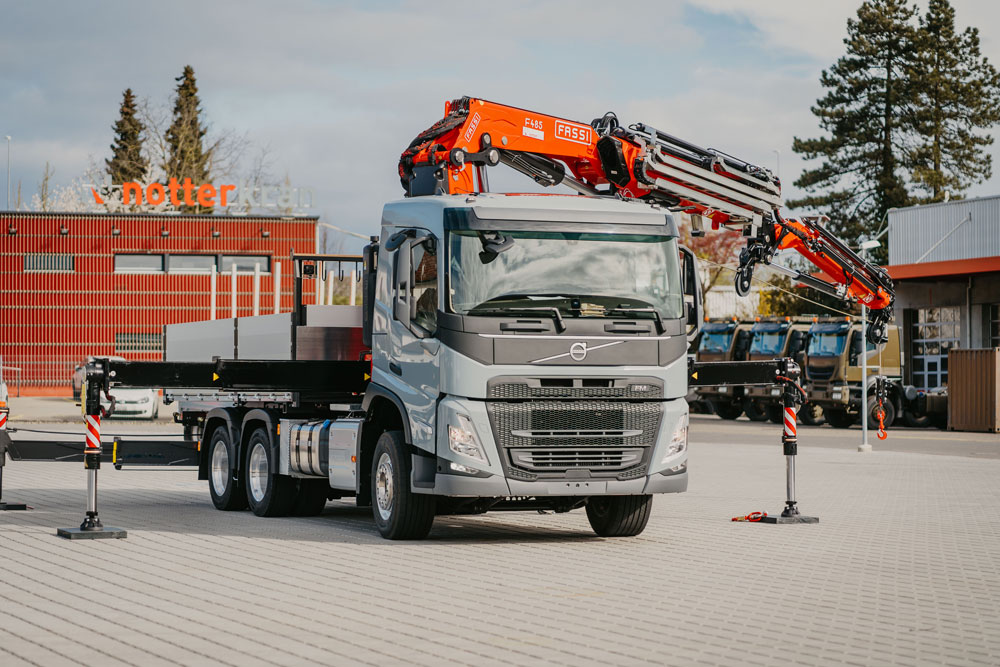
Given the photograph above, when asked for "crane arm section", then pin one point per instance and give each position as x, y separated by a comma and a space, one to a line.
603, 158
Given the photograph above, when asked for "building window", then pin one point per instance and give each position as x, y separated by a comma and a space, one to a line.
934, 331
995, 325
245, 263
139, 263
190, 263
50, 262
138, 342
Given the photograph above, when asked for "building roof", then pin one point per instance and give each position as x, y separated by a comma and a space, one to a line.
938, 239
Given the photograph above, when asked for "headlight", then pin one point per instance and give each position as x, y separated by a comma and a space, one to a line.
144, 399
462, 439
678, 441
723, 390
835, 395
776, 391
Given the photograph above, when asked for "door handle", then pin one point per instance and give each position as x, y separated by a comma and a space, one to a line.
394, 367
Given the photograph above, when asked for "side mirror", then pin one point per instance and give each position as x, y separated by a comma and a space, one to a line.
691, 289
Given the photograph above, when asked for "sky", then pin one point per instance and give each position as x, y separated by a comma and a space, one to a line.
336, 90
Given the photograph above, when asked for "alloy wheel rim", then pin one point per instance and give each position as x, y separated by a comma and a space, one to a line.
220, 467
383, 487
258, 472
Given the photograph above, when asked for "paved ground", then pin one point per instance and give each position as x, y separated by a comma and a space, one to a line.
904, 568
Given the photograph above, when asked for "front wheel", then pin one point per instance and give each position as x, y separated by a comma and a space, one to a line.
727, 410
811, 414
399, 513
619, 516
887, 420
755, 410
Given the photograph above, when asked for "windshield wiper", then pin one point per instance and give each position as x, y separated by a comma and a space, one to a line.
547, 310
629, 309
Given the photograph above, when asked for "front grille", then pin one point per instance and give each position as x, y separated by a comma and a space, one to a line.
563, 459
634, 389
550, 438
820, 372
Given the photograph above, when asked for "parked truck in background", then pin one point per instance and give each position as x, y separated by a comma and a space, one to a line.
833, 373
773, 338
723, 339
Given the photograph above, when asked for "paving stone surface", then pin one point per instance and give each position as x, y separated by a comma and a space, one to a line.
904, 568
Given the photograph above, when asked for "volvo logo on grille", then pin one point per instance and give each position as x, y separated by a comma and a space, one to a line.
577, 351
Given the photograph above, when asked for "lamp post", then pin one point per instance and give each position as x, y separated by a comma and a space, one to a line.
777, 157
865, 447
8, 171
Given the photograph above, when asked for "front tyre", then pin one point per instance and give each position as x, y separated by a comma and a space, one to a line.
755, 410
268, 493
226, 491
727, 410
619, 516
399, 513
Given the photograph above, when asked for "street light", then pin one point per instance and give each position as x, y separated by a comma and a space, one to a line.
777, 155
8, 170
864, 447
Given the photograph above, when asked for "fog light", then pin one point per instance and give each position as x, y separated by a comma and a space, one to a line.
836, 395
458, 467
776, 391
723, 390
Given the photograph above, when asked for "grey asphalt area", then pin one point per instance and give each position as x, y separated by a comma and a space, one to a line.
903, 568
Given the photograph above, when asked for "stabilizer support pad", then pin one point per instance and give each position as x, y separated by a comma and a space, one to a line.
107, 532
789, 519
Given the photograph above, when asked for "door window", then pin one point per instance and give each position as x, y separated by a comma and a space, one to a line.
423, 291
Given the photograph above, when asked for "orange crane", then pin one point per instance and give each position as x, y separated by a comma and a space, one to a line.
603, 158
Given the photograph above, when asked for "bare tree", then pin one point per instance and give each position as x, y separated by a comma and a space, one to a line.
44, 188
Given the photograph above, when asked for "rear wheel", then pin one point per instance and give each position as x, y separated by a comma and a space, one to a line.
727, 410
890, 413
226, 491
268, 493
755, 410
776, 413
840, 418
811, 414
399, 513
311, 498
619, 516
916, 422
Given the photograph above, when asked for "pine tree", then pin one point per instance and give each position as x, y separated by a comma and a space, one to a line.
958, 94
868, 114
186, 156
127, 162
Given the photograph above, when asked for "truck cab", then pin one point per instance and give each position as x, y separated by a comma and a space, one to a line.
834, 374
724, 339
526, 351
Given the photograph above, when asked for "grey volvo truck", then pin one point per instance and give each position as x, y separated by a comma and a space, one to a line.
527, 352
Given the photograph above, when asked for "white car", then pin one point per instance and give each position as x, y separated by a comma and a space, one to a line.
134, 403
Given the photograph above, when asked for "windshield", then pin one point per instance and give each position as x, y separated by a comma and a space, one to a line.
715, 341
580, 274
827, 344
767, 342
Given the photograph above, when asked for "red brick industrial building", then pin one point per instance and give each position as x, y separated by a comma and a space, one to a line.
74, 285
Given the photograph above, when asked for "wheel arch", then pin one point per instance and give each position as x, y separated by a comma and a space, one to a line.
384, 411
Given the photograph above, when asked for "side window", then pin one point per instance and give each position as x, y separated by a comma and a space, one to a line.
423, 285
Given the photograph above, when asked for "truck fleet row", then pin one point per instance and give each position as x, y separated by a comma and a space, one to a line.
829, 351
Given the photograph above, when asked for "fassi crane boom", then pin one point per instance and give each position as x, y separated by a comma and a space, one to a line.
642, 163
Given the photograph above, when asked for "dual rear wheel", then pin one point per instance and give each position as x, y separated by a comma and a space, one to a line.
261, 489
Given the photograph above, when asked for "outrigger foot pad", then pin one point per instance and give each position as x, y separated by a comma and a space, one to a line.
795, 518
12, 506
107, 532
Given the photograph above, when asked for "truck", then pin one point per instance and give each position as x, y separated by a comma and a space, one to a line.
833, 375
511, 352
723, 339
774, 337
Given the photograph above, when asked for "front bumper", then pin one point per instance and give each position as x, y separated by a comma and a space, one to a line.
498, 477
